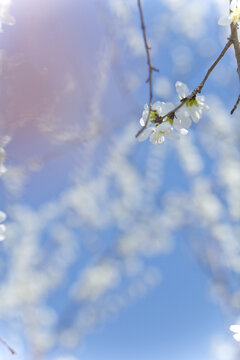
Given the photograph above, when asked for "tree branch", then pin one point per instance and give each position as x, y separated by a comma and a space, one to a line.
236, 105
235, 41
199, 88
7, 346
151, 68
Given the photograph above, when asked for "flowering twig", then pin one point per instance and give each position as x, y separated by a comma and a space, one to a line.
235, 40
199, 88
151, 68
236, 105
7, 346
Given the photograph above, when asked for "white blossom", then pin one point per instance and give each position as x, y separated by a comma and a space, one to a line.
2, 226
236, 330
159, 131
194, 107
233, 17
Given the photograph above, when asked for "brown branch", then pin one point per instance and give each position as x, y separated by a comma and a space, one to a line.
151, 68
235, 40
199, 88
236, 105
7, 346
234, 37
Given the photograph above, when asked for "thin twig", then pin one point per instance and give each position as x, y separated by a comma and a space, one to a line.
151, 68
199, 88
236, 105
7, 346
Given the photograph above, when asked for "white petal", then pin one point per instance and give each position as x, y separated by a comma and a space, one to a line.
165, 126
157, 106
2, 237
205, 107
177, 123
224, 21
186, 122
182, 120
200, 99
235, 328
181, 89
183, 132
3, 216
2, 229
234, 4
195, 113
237, 337
166, 108
3, 169
157, 138
145, 134
142, 121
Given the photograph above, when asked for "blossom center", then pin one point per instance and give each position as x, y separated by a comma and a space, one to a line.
191, 102
235, 16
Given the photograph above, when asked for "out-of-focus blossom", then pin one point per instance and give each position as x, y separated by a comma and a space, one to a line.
195, 106
233, 17
3, 142
236, 330
2, 226
5, 17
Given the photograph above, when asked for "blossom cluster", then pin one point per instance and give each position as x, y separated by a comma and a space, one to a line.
234, 15
164, 121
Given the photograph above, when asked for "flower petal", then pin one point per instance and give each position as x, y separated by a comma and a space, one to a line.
195, 113
2, 216
234, 4
2, 229
157, 138
181, 89
183, 132
166, 108
237, 337
165, 126
142, 121
235, 328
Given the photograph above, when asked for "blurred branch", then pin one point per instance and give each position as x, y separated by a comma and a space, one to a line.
236, 105
151, 68
7, 346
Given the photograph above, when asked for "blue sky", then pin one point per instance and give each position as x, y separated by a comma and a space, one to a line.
81, 190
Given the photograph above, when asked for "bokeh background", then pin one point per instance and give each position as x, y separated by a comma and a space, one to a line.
117, 250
